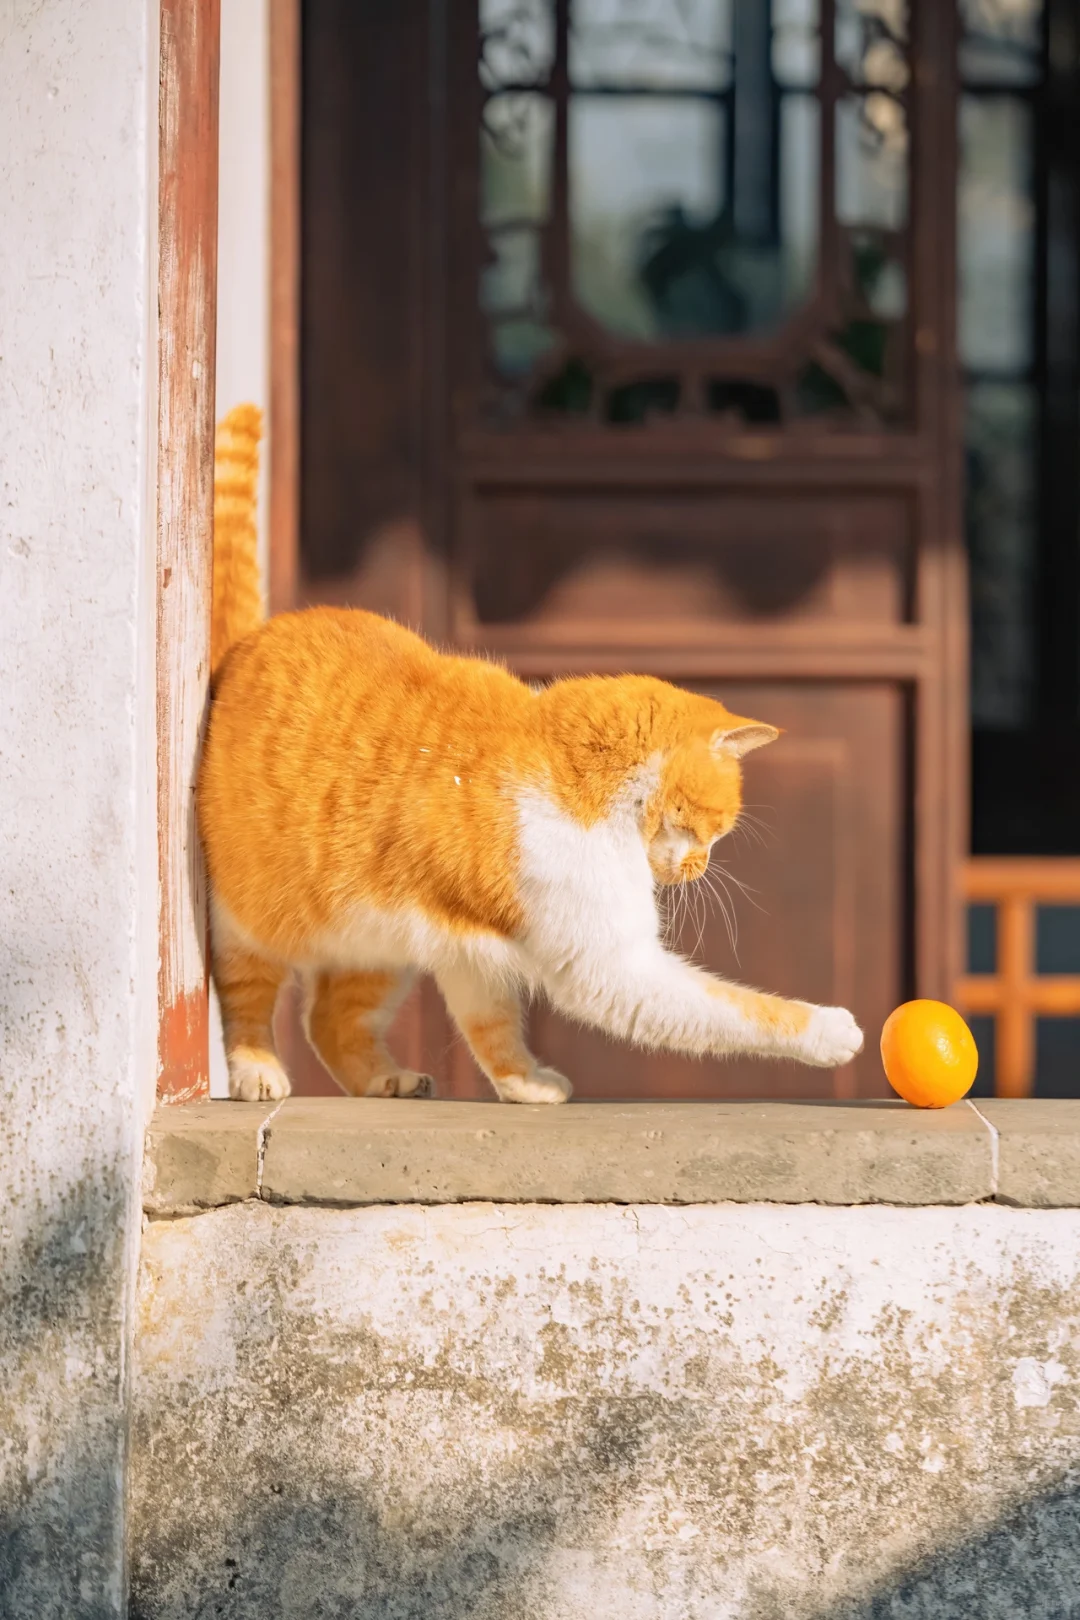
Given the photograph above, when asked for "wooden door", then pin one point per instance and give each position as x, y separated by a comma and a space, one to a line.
629, 345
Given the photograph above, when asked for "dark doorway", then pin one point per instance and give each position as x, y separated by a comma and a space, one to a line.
628, 342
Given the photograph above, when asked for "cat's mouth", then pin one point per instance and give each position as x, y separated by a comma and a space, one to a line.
671, 873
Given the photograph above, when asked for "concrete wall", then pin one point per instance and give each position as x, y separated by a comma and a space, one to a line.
77, 877
497, 1412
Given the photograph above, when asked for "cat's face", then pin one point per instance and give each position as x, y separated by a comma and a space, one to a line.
699, 800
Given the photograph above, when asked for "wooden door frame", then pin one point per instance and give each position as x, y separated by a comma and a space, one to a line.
187, 329
284, 337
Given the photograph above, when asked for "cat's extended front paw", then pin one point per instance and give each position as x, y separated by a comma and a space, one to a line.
541, 1086
256, 1077
831, 1037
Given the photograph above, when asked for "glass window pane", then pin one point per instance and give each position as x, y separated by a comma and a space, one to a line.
1000, 521
518, 344
882, 281
984, 1028
651, 44
871, 31
511, 282
800, 180
996, 233
871, 161
796, 43
655, 250
982, 939
517, 41
645, 203
1057, 1057
1057, 940
515, 159
1001, 41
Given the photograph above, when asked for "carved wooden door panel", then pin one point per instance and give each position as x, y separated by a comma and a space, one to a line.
818, 913
671, 284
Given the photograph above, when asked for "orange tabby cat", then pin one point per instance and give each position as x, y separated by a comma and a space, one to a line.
371, 808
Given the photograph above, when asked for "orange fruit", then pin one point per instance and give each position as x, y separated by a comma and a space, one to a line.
929, 1054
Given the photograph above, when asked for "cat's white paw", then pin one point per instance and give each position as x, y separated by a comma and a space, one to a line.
257, 1077
400, 1083
832, 1037
541, 1086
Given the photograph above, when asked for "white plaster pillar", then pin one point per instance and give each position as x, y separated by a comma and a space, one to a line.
78, 904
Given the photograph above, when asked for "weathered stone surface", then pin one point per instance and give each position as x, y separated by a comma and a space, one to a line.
202, 1155
645, 1413
78, 887
1038, 1151
326, 1150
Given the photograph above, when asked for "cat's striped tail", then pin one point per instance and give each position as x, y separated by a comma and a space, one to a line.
237, 600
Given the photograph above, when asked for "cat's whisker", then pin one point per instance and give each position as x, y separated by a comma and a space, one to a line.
683, 907
759, 825
726, 903
720, 871
714, 899
750, 832
700, 916
689, 916
730, 925
668, 899
722, 876
667, 903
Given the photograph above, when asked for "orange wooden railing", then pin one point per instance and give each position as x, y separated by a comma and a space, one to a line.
1015, 995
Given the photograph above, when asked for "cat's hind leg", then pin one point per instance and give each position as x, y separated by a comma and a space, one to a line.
247, 986
346, 1017
490, 1018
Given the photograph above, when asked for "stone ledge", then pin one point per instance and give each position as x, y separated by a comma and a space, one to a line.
202, 1155
1039, 1151
343, 1152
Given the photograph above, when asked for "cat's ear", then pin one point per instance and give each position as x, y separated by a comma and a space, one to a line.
742, 739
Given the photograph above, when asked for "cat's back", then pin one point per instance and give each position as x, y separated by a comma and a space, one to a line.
344, 672
345, 758
299, 653
328, 697
286, 702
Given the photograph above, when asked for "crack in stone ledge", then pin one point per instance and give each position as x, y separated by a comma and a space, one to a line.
262, 1139
995, 1147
